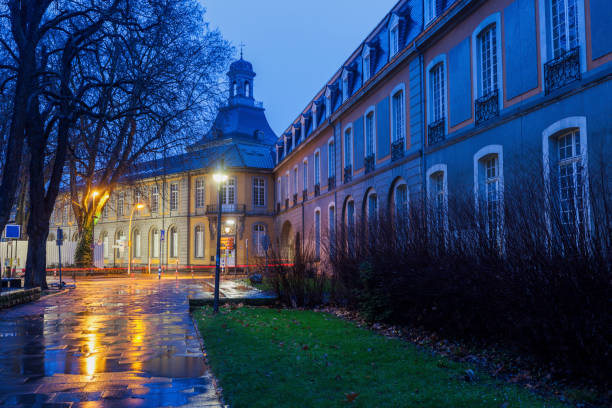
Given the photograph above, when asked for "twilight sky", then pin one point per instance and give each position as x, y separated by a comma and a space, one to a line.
295, 46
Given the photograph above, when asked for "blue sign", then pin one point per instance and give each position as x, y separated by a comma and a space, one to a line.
12, 231
59, 240
162, 234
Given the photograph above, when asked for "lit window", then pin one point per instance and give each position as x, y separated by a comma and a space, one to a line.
173, 244
154, 199
394, 40
198, 241
136, 251
155, 243
228, 192
259, 191
199, 192
259, 233
174, 196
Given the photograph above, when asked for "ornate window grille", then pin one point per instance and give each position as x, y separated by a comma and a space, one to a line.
487, 107
348, 174
317, 189
331, 182
397, 149
562, 70
370, 163
435, 132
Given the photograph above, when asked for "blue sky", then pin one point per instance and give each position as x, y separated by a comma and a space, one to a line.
295, 46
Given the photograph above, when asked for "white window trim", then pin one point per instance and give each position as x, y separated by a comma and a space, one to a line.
492, 19
195, 242
366, 55
264, 188
371, 191
434, 169
371, 109
328, 103
400, 87
497, 150
544, 8
398, 183
572, 122
347, 127
435, 61
296, 179
314, 227
345, 85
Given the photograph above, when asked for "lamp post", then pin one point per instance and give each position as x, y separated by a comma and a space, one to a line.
136, 206
219, 178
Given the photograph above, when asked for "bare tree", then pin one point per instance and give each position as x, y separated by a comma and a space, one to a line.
159, 84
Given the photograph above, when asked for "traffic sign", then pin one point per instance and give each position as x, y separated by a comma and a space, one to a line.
12, 231
59, 240
162, 234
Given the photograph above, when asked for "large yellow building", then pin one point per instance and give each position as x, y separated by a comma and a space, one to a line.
177, 226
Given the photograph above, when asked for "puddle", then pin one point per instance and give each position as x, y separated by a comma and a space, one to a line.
174, 366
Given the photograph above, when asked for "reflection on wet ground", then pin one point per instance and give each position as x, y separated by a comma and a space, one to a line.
107, 343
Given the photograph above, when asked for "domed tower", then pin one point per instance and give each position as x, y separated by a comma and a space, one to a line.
241, 76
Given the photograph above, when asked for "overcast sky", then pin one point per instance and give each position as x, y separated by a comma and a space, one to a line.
295, 46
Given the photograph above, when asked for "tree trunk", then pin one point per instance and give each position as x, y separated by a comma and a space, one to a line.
36, 264
83, 257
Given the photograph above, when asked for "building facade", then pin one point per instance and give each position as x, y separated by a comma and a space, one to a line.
451, 98
442, 98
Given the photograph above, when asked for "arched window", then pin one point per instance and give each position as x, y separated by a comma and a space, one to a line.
488, 187
349, 222
372, 206
438, 199
173, 242
198, 241
317, 225
234, 88
398, 116
247, 89
121, 242
106, 245
400, 201
259, 231
136, 244
154, 243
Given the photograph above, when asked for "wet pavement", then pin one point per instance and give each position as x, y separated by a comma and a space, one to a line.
107, 343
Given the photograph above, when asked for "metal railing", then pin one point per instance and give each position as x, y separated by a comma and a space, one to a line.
486, 107
562, 70
436, 132
226, 208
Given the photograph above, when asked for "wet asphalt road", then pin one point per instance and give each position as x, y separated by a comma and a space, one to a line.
106, 343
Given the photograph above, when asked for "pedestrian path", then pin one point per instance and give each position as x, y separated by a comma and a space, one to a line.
108, 343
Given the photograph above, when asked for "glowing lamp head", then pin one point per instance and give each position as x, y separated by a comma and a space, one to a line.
139, 206
230, 222
219, 177
94, 194
227, 230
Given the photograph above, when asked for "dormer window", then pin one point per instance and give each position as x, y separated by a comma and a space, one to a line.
367, 64
394, 35
431, 11
345, 86
328, 103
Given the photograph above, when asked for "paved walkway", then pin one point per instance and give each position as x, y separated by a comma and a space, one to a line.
107, 343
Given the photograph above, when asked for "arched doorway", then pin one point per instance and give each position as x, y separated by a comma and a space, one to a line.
287, 241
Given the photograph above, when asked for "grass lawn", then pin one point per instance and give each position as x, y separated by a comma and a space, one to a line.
290, 358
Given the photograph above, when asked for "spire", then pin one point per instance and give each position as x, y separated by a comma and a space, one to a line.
241, 76
241, 48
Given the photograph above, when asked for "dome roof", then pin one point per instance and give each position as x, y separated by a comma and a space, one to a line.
241, 65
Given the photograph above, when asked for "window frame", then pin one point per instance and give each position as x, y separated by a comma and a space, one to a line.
477, 77
174, 196
479, 159
317, 167
262, 191
370, 111
200, 192
399, 88
305, 174
349, 152
439, 168
198, 242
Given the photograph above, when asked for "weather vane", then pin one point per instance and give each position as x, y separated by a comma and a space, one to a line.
241, 47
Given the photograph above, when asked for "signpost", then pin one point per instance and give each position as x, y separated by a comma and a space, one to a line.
60, 241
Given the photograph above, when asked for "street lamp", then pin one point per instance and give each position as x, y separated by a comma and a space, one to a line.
219, 178
136, 206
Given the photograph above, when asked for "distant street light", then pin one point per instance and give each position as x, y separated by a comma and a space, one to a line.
136, 206
219, 178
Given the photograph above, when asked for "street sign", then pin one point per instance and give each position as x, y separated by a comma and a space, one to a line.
60, 237
12, 231
162, 234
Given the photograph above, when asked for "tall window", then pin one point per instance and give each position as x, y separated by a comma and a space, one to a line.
438, 198
491, 193
438, 97
430, 10
199, 192
571, 193
174, 196
121, 204
259, 191
317, 234
287, 186
154, 199
137, 200
247, 89
372, 207
401, 201
198, 241
120, 238
331, 159
317, 168
394, 40
488, 60
106, 245
295, 180
305, 176
345, 88
104, 211
369, 134
348, 147
228, 192
259, 231
136, 238
332, 227
350, 224
564, 14
155, 243
278, 190
173, 242
399, 112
